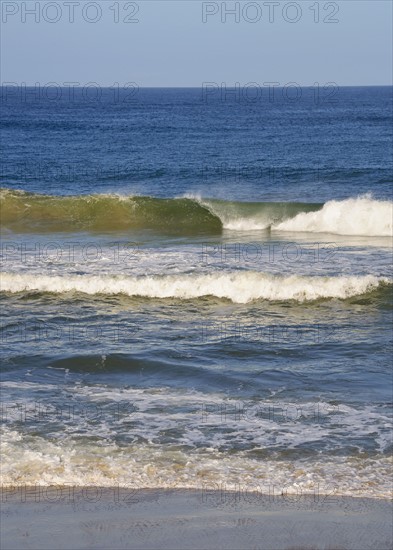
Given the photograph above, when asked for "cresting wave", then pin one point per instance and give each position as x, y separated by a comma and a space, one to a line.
360, 216
238, 286
22, 211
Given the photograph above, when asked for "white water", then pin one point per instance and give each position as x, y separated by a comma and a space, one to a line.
237, 286
43, 462
359, 216
362, 216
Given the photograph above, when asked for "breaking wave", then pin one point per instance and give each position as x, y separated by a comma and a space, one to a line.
360, 216
22, 211
239, 286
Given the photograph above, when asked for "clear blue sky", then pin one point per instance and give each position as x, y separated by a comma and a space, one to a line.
170, 45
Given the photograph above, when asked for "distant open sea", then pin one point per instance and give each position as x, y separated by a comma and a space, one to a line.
196, 290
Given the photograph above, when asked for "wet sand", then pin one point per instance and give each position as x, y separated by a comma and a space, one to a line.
79, 518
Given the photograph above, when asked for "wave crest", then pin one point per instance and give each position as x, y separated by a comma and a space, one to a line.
356, 216
191, 215
239, 287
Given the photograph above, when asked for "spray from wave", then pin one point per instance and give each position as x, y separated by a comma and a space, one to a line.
239, 287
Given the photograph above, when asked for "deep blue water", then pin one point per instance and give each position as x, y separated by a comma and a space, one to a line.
166, 142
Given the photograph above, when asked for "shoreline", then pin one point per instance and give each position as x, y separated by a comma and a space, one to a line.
112, 517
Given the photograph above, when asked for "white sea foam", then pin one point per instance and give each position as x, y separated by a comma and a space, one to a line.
362, 216
359, 216
205, 423
48, 462
237, 286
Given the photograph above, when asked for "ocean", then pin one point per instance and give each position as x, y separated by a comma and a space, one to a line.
196, 290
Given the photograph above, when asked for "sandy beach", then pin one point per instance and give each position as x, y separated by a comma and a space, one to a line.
189, 520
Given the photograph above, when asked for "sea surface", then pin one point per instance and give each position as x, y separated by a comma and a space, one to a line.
196, 290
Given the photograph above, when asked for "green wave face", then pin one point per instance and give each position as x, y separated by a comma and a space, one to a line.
21, 211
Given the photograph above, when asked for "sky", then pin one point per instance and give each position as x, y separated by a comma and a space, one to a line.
188, 43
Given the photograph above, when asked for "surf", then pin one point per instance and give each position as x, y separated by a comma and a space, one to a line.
237, 286
361, 216
192, 215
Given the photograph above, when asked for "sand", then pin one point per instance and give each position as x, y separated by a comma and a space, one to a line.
76, 518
